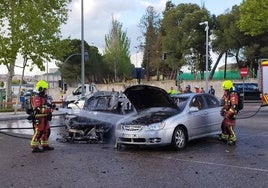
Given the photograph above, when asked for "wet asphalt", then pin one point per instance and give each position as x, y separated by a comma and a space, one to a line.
204, 163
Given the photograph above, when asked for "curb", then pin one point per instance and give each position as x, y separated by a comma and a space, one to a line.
12, 116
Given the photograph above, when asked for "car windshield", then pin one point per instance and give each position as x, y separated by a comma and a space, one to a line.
180, 100
115, 103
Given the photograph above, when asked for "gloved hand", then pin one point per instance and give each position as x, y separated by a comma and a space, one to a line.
223, 112
53, 107
37, 110
49, 116
228, 115
30, 117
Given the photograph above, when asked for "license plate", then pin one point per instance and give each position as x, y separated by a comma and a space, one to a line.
129, 135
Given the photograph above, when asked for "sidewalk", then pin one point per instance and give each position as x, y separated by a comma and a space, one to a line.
5, 116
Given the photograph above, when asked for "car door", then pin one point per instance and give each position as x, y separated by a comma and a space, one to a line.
213, 110
198, 119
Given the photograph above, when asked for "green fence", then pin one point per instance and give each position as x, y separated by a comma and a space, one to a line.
219, 75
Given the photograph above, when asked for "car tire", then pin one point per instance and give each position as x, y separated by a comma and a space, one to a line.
179, 138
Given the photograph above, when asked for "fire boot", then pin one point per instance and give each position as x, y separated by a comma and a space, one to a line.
37, 150
232, 140
223, 138
48, 148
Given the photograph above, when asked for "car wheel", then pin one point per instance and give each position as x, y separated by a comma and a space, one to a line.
179, 138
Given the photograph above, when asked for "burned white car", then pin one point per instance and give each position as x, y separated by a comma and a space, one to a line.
96, 121
167, 120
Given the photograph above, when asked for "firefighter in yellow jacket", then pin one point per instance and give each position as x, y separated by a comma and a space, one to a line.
229, 112
42, 114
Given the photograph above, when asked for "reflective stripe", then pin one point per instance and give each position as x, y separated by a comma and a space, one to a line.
224, 136
40, 115
34, 142
232, 110
44, 143
232, 136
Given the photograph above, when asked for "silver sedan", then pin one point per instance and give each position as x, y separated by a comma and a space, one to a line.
162, 119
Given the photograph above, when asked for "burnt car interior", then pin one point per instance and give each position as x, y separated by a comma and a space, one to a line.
83, 128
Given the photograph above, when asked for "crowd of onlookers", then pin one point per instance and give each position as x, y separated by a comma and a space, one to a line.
188, 90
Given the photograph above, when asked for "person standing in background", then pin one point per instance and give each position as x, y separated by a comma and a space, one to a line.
211, 90
171, 91
187, 89
197, 90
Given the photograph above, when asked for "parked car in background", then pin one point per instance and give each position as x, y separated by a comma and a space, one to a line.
251, 90
167, 120
77, 104
77, 92
96, 121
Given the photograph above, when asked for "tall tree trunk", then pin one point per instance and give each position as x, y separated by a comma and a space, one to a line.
21, 81
225, 65
215, 66
10, 76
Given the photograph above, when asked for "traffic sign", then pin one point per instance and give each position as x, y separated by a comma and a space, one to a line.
243, 72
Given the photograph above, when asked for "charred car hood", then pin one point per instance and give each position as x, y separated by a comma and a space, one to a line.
143, 97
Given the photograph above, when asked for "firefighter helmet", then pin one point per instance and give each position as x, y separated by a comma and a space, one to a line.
227, 85
41, 85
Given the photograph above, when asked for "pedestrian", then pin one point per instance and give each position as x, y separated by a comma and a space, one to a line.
187, 89
211, 90
42, 114
202, 90
197, 90
22, 99
172, 91
229, 112
64, 97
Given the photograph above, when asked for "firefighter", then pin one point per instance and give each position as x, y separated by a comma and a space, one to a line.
42, 114
229, 112
172, 91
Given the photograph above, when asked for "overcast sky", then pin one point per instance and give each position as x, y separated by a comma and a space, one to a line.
98, 17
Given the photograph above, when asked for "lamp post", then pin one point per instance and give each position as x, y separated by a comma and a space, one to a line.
86, 55
136, 61
206, 29
82, 49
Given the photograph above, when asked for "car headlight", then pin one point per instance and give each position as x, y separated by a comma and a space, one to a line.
155, 126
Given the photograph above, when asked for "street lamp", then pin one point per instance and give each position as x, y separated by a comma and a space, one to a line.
136, 61
82, 49
206, 29
86, 56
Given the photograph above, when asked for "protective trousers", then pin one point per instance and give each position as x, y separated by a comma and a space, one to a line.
41, 133
227, 128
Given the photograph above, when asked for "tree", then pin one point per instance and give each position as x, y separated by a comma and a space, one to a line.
70, 66
150, 28
231, 41
227, 38
253, 17
183, 37
116, 52
32, 29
